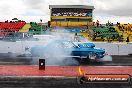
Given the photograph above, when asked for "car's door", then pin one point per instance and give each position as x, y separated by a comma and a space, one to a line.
85, 50
76, 51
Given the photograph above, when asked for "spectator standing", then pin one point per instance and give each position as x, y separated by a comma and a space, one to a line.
127, 40
97, 23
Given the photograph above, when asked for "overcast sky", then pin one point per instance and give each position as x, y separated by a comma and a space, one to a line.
34, 10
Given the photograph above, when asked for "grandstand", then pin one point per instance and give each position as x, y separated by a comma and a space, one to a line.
7, 28
25, 28
104, 33
76, 19
37, 29
13, 27
125, 29
79, 17
70, 15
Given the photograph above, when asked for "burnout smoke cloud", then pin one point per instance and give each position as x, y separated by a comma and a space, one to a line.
53, 55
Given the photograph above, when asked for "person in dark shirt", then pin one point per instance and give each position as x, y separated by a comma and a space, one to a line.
97, 23
127, 40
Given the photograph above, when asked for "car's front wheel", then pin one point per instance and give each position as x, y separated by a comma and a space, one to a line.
92, 56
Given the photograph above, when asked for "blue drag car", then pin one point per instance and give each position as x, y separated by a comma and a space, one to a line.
64, 48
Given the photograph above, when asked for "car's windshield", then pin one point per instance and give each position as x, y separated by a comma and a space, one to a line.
87, 45
68, 44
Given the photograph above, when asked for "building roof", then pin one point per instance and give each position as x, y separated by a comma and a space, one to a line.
71, 6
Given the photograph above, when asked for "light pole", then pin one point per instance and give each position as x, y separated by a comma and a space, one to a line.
41, 25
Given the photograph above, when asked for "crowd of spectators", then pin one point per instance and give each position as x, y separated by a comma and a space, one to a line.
71, 12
